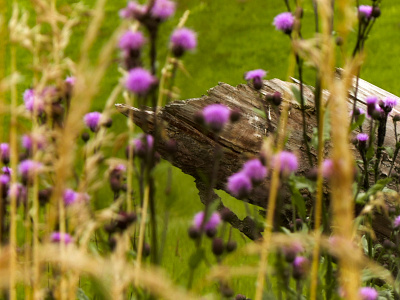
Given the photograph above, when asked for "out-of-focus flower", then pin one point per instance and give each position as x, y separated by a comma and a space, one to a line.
216, 116
29, 168
92, 120
163, 9
70, 196
365, 11
5, 153
301, 266
143, 145
211, 224
256, 77
33, 102
368, 293
28, 140
131, 41
396, 222
132, 10
239, 185
287, 161
255, 170
70, 80
58, 237
139, 81
327, 168
290, 251
388, 104
284, 22
182, 40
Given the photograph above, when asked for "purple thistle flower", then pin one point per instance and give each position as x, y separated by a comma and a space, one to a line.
139, 81
58, 237
256, 76
70, 196
131, 41
18, 191
290, 251
239, 185
365, 11
211, 224
28, 168
288, 162
368, 293
183, 39
143, 144
33, 102
284, 22
28, 140
258, 73
92, 120
371, 100
4, 181
327, 168
5, 153
70, 80
396, 222
6, 171
216, 116
301, 266
389, 103
132, 10
362, 137
255, 170
163, 9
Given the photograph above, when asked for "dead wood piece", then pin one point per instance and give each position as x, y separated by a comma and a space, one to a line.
242, 140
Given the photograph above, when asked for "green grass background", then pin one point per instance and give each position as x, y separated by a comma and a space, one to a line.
233, 37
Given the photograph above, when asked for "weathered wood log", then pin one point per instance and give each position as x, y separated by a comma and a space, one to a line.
242, 140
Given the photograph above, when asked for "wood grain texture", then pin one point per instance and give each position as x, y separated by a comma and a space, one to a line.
242, 140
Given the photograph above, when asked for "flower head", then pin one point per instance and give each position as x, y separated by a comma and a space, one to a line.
290, 251
132, 10
163, 9
183, 39
5, 153
211, 224
239, 185
362, 137
58, 237
389, 103
143, 144
92, 120
70, 196
256, 77
255, 170
139, 81
28, 168
284, 22
28, 140
70, 80
327, 168
396, 222
365, 11
18, 191
287, 161
33, 102
6, 171
216, 116
301, 266
368, 293
131, 41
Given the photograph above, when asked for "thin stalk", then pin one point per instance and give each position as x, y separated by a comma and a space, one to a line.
303, 111
265, 244
142, 231
318, 204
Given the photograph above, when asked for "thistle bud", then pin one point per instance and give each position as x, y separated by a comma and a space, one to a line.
231, 246
218, 246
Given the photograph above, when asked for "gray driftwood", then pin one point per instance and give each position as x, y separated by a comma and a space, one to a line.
242, 140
